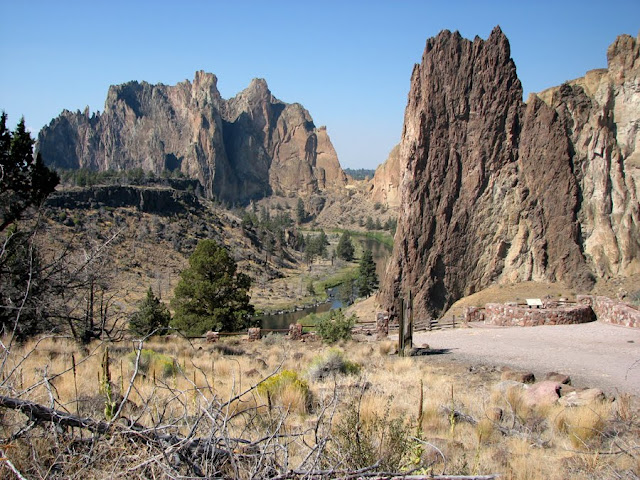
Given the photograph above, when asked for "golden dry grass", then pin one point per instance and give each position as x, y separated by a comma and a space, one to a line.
387, 387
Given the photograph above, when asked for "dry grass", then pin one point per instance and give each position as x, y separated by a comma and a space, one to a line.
585, 425
388, 387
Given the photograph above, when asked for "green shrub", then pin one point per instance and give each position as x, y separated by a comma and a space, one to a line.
360, 442
151, 361
288, 390
335, 327
272, 339
332, 363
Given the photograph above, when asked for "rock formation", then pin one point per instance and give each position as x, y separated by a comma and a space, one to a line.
495, 190
386, 181
247, 147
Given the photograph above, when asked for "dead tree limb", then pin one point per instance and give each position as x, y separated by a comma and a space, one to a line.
40, 413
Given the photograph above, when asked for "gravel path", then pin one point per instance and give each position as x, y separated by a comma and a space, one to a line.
593, 354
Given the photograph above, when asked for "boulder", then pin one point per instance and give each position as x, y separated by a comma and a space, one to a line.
542, 394
295, 331
505, 385
566, 389
582, 397
517, 376
558, 377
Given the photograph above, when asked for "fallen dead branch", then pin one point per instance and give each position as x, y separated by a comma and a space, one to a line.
191, 450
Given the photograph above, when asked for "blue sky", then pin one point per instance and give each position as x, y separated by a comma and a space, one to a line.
348, 62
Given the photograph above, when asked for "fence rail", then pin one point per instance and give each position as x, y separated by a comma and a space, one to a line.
432, 325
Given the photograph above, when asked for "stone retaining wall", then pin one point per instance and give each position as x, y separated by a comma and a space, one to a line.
612, 311
513, 315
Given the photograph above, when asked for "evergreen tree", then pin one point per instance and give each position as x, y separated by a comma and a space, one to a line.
153, 317
345, 293
22, 288
369, 225
345, 249
367, 277
316, 246
211, 293
322, 243
24, 180
301, 214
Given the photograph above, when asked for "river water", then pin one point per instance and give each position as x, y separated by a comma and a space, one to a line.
381, 254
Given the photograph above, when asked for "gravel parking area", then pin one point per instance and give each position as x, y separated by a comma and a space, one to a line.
593, 354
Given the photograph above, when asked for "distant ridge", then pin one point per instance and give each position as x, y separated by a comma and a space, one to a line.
248, 147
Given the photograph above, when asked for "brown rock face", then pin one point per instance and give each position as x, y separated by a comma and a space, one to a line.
495, 190
247, 147
386, 181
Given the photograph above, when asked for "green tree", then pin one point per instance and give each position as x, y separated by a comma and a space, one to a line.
22, 287
153, 317
345, 249
301, 213
315, 246
369, 225
24, 180
322, 243
211, 293
335, 326
367, 277
345, 292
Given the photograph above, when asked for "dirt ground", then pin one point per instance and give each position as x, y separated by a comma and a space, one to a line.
593, 354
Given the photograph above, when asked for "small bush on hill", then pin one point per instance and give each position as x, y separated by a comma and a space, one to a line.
287, 389
359, 442
335, 327
151, 361
332, 363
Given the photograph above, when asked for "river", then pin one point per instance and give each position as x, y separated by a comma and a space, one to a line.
381, 254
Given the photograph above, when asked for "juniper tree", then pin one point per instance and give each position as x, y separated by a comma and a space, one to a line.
345, 249
24, 182
367, 278
211, 293
152, 317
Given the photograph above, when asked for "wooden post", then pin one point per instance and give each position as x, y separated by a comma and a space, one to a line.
401, 328
453, 325
409, 334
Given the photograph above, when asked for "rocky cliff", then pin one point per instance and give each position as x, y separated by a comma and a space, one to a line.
496, 190
247, 147
159, 201
385, 185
